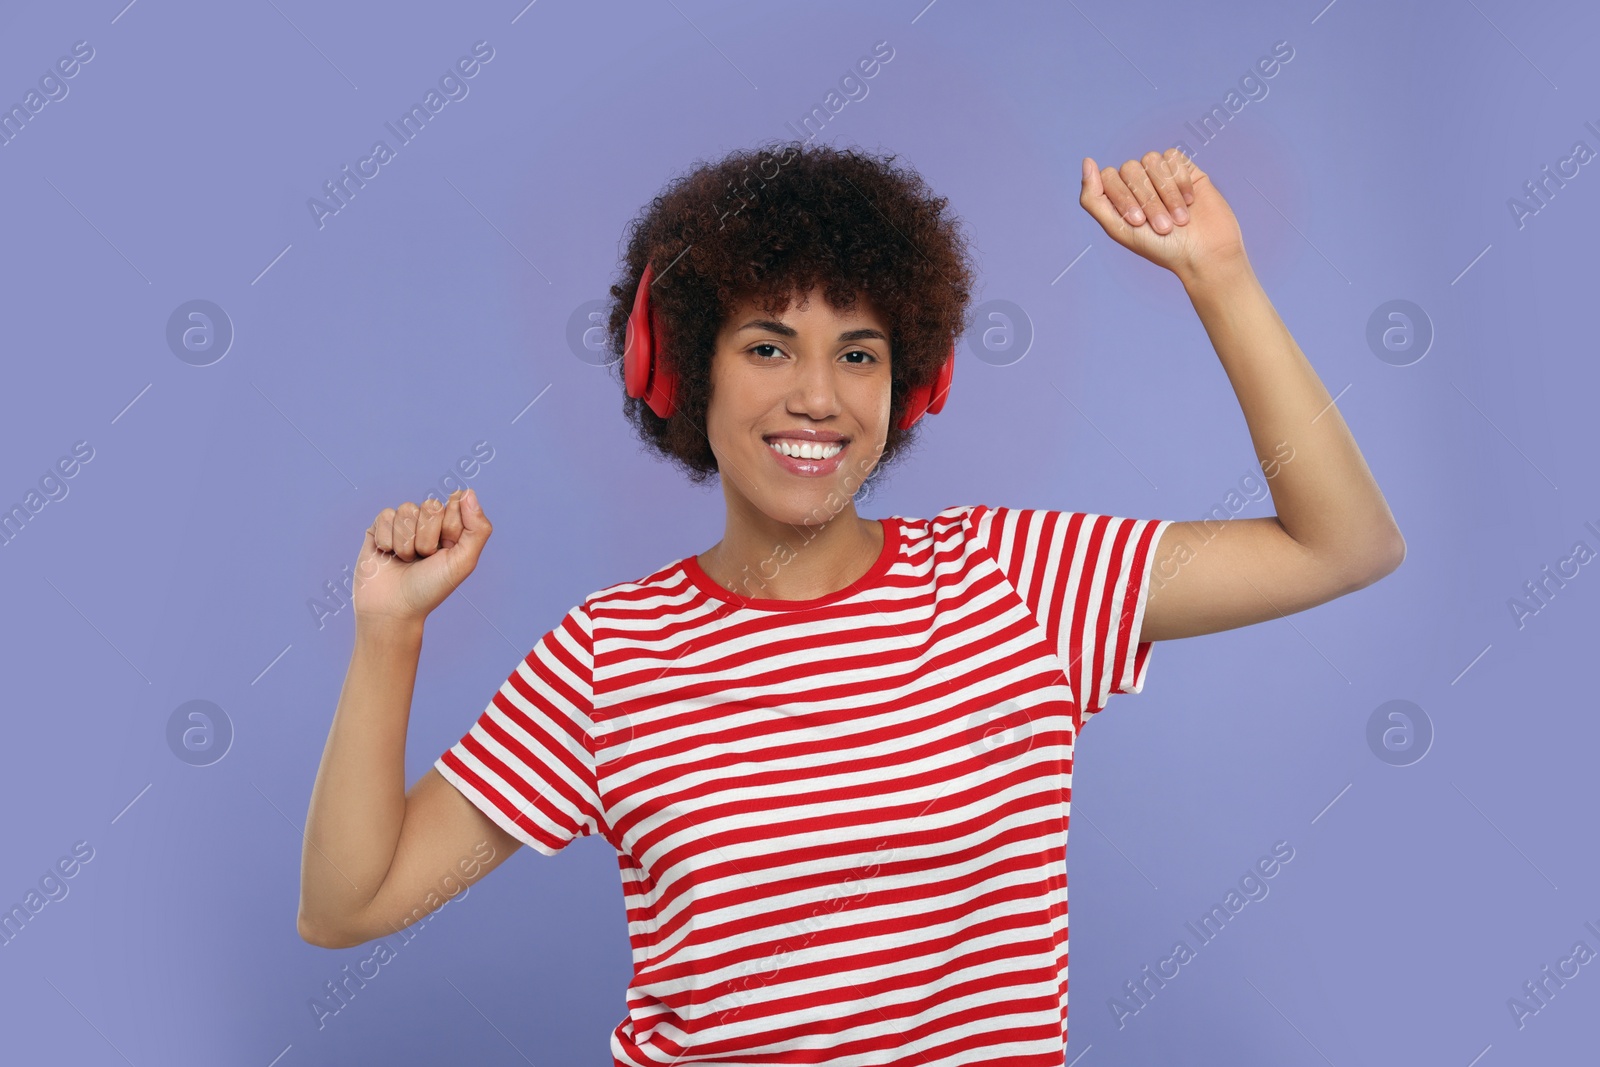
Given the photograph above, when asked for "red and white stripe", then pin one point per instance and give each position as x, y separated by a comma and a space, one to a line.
841, 823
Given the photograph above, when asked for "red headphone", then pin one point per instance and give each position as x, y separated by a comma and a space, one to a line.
651, 378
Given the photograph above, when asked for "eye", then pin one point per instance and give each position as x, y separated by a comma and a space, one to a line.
757, 351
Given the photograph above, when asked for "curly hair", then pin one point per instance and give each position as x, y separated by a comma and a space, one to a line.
768, 223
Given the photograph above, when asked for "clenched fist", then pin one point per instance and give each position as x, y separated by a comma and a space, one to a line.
414, 557
1167, 210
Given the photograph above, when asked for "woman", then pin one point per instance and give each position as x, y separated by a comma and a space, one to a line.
834, 754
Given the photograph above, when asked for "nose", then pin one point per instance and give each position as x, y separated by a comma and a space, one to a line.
814, 390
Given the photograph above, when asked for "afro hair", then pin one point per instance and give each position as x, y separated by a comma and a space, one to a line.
766, 224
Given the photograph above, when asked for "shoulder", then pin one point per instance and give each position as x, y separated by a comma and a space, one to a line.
956, 517
1022, 537
667, 584
967, 521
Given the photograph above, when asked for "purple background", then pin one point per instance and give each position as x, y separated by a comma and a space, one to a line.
430, 312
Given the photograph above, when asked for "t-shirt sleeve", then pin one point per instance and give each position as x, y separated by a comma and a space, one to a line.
528, 761
1086, 577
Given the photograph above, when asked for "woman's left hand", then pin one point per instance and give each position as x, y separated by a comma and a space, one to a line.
1166, 209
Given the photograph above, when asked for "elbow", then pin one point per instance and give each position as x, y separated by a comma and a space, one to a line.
313, 932
1379, 562
1392, 555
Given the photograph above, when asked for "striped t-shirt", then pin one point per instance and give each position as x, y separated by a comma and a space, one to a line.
841, 823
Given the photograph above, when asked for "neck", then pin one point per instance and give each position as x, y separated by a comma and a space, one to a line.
764, 558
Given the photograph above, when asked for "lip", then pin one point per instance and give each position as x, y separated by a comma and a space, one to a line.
810, 468
822, 436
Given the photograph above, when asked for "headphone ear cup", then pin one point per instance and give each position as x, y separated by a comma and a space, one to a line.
916, 404
638, 351
929, 397
645, 373
941, 383
663, 387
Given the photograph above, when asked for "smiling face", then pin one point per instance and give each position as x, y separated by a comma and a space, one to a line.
799, 407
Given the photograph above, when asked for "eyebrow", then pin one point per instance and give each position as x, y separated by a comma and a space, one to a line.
789, 331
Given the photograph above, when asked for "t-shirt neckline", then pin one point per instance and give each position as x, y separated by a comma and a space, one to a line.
891, 549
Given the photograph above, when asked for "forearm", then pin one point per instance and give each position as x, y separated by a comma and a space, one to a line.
358, 802
1325, 496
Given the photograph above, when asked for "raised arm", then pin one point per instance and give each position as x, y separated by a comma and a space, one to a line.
375, 858
1333, 533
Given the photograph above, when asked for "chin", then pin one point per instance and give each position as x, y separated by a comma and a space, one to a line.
814, 505
812, 509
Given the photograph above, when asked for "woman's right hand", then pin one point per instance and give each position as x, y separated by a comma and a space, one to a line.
413, 558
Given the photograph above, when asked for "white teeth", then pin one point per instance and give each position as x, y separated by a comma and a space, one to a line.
805, 450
